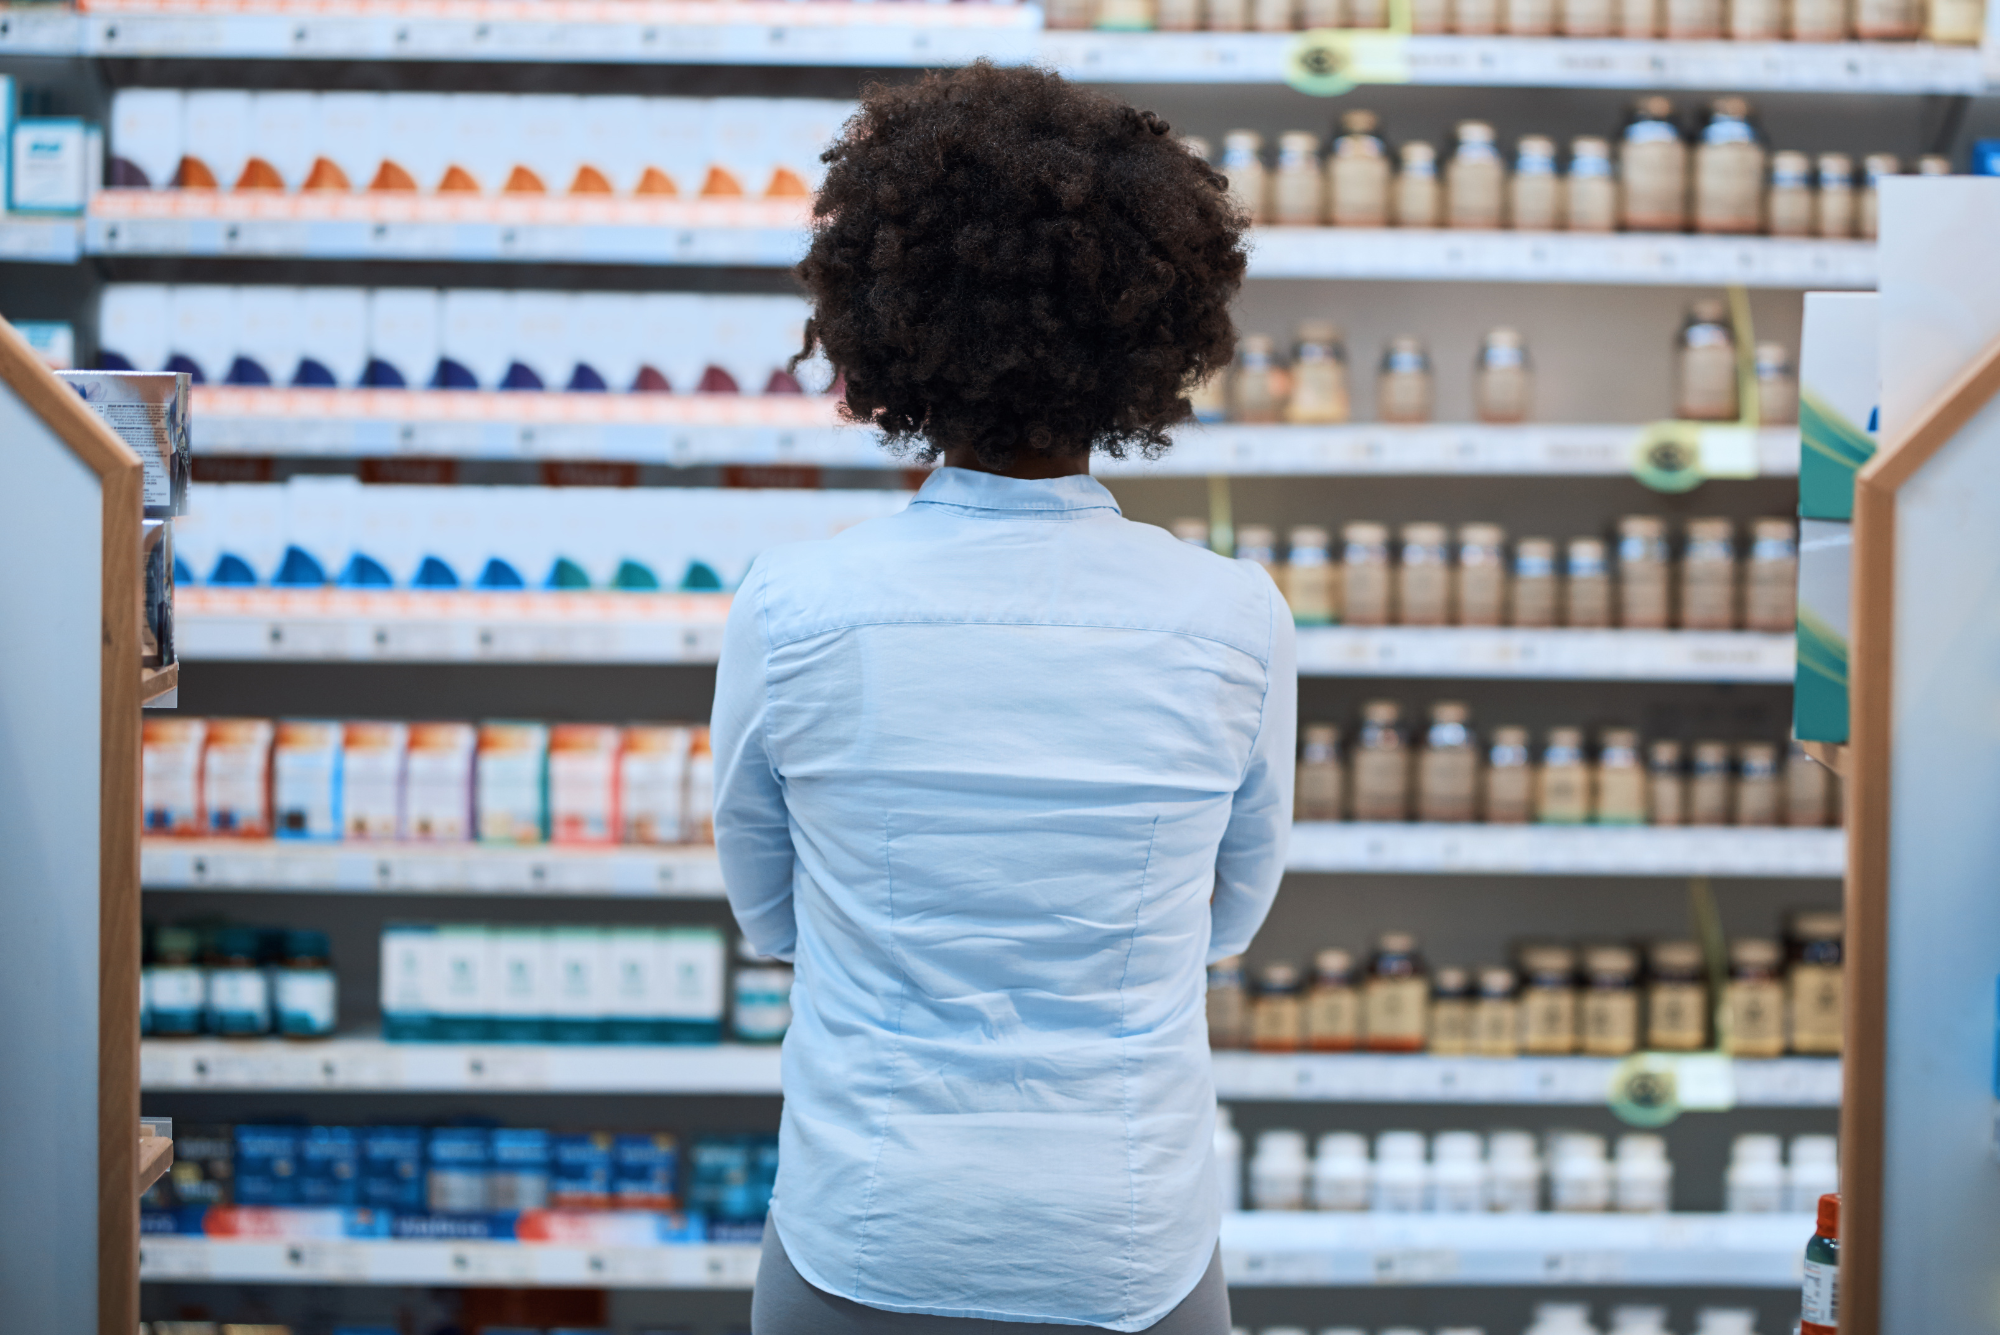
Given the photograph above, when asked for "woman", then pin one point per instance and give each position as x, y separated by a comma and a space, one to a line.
1001, 772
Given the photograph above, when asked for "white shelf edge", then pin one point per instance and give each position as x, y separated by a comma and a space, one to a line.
26, 239
1580, 850
172, 1259
1547, 655
1251, 1077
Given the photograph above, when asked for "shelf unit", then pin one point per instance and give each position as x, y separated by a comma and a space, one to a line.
1578, 850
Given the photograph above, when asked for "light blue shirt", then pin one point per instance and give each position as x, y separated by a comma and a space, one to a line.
1001, 773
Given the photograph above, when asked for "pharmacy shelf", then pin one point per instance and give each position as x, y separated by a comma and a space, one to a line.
341, 625
369, 1064
689, 872
1322, 1077
772, 233
1574, 655
1292, 1249
26, 240
1259, 1249
692, 430
1574, 850
1560, 62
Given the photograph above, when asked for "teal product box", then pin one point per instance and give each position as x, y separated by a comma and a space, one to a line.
1839, 399
1819, 695
408, 953
52, 165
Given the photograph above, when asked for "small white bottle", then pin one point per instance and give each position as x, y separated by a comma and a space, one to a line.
1278, 1171
1340, 1172
1579, 1174
1513, 1173
1458, 1173
1562, 1319
1755, 1180
1812, 1171
1229, 1158
1402, 1178
1725, 1321
1642, 1177
1639, 1319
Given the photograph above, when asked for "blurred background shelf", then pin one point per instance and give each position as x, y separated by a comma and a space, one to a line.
168, 1260
1574, 850
411, 1068
689, 872
1630, 258
1327, 1077
1575, 655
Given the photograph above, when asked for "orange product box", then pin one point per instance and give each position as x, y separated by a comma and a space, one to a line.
583, 783
170, 775
652, 784
236, 777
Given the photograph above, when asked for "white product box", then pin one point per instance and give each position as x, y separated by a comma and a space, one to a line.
632, 983
215, 138
696, 980
652, 787
132, 325
610, 135
145, 137
50, 166
604, 334
480, 135
548, 144
319, 518
437, 783
512, 783
201, 327
700, 789
523, 981
371, 779
803, 128
236, 777
402, 336
738, 345
538, 340
284, 139
674, 336
580, 959
241, 524
409, 955
305, 780
416, 142
268, 329
672, 145
349, 141
583, 783
170, 775
333, 336
474, 335
458, 992
742, 145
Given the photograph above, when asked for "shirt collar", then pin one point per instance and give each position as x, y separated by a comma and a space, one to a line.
1075, 496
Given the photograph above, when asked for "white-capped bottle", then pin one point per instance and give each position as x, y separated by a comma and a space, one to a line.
1534, 193
1811, 1171
1755, 1180
1590, 190
1458, 1173
1642, 1175
1229, 1158
1278, 1171
1243, 165
1417, 195
1402, 1176
1475, 181
1579, 1175
1514, 1173
1341, 1175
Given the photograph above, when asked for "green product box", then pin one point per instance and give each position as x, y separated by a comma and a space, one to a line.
1839, 397
1819, 695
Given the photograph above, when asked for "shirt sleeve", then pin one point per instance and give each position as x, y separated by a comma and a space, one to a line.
1251, 860
753, 833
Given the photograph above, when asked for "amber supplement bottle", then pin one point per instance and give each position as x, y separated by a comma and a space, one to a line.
1278, 1011
1562, 785
1475, 18
1228, 15
1273, 15
1818, 21
1496, 1018
1708, 576
1423, 576
1888, 20
1788, 203
1510, 778
1706, 360
1258, 389
1691, 20
1676, 998
1417, 196
1868, 212
1358, 173
1256, 542
1333, 1004
1807, 790
1755, 1000
1834, 207
1813, 983
1548, 1001
1430, 17
1243, 164
1534, 195
1396, 1000
1318, 794
1481, 591
1710, 789
1770, 601
1652, 169
1298, 186
1636, 18
1728, 167
1756, 20
1319, 376
1475, 180
1619, 792
1451, 1012
1448, 766
1610, 1001
1586, 585
1365, 574
1528, 18
1309, 577
1381, 765
1322, 14
1533, 600
1645, 569
1228, 1004
1403, 385
1760, 791
1586, 18
1178, 15
1777, 386
1502, 381
1590, 191
1666, 785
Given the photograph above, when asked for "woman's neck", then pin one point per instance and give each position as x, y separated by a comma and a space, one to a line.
1027, 466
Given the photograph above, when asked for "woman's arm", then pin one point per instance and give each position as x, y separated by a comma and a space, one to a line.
753, 834
1251, 860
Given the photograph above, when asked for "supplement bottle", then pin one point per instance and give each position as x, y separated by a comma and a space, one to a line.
239, 991
1819, 1308
1955, 22
1788, 203
1259, 388
1676, 998
1416, 195
176, 987
1475, 18
1644, 568
1868, 212
1228, 1004
1590, 191
1475, 180
1586, 585
1636, 18
1496, 1017
1273, 15
1811, 1171
1513, 1173
307, 999
1833, 212
1728, 165
1666, 785
1759, 791
1510, 778
1888, 20
1770, 601
1777, 387
1278, 1011
1071, 14
1319, 375
1298, 187
1618, 791
1548, 1001
1818, 21
760, 996
1756, 20
1127, 15
1533, 597
1318, 793
1396, 998
1229, 1158
1711, 796
1193, 532
1430, 17
1403, 385
1209, 400
1458, 1173
1315, 14
1642, 1180
1333, 1005
1243, 165
1358, 173
1381, 765
1481, 588
1365, 576
1652, 169
1228, 15
1451, 1012
1177, 15
1309, 576
1423, 576
1706, 362
1278, 1171
1692, 20
1610, 1001
1579, 1175
1502, 381
1755, 1181
1934, 164
1402, 1178
1258, 544
1341, 1179
1448, 766
1806, 789
1754, 1001
1586, 18
1708, 576
1528, 18
1813, 983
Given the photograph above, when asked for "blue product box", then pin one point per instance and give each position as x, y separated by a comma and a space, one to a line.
266, 1168
579, 1171
645, 1171
392, 1167
519, 1179
330, 1166
480, 1227
458, 1159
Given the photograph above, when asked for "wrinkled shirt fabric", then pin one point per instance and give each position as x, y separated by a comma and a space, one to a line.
1000, 773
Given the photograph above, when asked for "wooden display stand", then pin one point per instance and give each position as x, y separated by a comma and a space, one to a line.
1919, 1174
70, 695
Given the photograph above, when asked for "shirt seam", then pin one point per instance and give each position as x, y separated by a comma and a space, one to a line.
889, 1093
1264, 704
1263, 662
1125, 1082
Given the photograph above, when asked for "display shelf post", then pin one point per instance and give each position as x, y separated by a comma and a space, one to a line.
69, 885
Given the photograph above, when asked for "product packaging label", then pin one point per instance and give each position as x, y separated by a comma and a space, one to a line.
437, 791
1820, 1311
305, 780
371, 779
235, 777
512, 782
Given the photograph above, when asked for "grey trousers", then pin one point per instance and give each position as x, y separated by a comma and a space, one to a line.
784, 1304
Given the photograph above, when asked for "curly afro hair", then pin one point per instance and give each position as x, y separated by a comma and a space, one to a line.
1006, 261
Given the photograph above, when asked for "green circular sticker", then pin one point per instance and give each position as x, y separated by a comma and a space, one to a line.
1645, 1091
1318, 62
1668, 456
